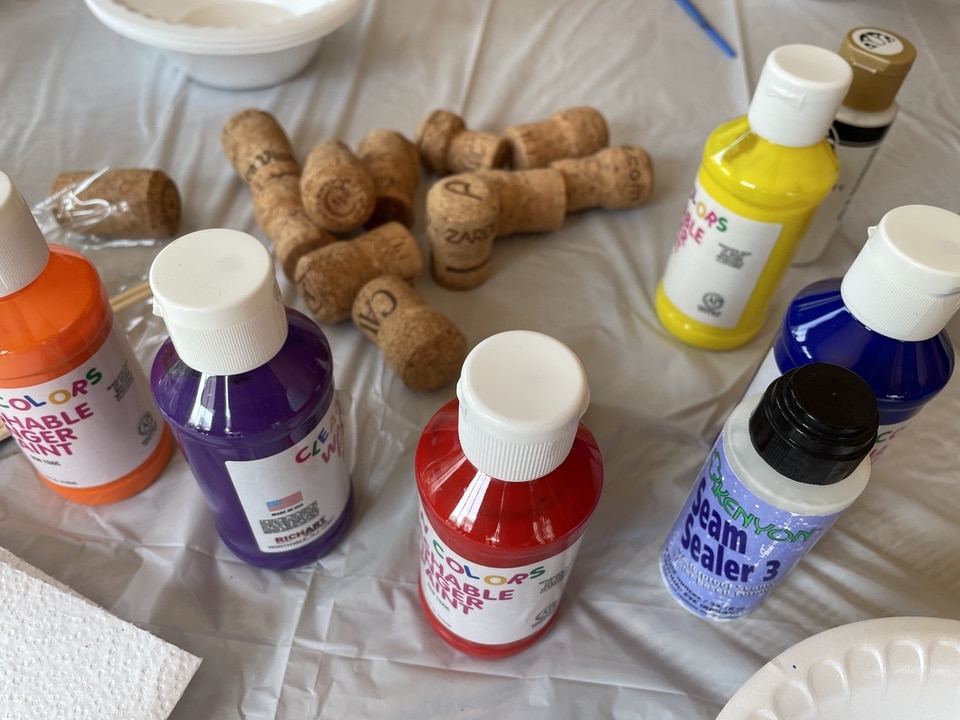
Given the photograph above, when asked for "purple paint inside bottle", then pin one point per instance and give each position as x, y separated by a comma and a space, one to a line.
248, 416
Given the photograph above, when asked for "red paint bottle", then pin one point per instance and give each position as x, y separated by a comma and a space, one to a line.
508, 478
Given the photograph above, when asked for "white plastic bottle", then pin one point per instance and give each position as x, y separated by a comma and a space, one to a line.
880, 60
786, 465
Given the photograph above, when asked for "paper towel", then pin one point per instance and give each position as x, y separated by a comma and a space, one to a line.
61, 656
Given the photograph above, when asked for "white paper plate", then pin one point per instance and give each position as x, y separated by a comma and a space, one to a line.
901, 668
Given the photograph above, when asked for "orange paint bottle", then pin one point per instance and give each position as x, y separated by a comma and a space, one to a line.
72, 393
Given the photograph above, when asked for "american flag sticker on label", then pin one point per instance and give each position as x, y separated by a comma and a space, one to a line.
284, 503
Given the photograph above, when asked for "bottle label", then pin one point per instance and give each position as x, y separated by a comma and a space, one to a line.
855, 148
728, 548
92, 425
766, 374
885, 436
716, 262
296, 496
770, 371
876, 41
489, 605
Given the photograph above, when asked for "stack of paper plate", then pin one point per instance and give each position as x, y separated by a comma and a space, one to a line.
905, 668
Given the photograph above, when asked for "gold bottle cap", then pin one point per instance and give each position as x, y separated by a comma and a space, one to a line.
880, 60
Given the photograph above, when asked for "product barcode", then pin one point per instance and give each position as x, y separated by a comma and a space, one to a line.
551, 581
290, 522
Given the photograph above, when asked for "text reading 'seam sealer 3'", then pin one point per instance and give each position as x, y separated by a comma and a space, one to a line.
785, 467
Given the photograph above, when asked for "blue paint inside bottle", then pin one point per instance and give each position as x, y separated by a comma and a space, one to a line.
885, 318
903, 375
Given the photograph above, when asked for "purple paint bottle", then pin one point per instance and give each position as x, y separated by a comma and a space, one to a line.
247, 386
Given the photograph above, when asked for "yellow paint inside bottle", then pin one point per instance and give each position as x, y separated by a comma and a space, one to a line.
765, 182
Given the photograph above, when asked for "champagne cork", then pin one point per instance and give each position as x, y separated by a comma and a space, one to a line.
418, 342
260, 153
466, 212
462, 212
530, 200
446, 146
393, 163
146, 203
337, 190
330, 278
614, 179
575, 132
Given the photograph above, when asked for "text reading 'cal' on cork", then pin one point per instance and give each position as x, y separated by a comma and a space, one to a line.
419, 343
466, 212
447, 146
260, 153
337, 190
574, 132
329, 279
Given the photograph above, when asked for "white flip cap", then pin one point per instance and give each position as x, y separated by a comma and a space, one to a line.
905, 283
800, 89
522, 395
217, 293
23, 249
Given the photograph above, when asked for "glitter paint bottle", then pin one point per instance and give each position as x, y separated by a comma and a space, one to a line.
761, 178
508, 477
880, 60
72, 392
884, 319
785, 467
247, 385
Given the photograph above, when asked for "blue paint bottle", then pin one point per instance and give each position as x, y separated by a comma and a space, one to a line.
785, 467
247, 386
884, 319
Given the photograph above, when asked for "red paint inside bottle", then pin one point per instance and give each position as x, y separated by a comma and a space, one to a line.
506, 524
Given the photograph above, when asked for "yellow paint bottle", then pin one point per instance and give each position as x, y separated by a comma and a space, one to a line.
761, 179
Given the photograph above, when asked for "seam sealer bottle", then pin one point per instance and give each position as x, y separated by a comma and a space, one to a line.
761, 178
785, 467
880, 60
884, 319
508, 477
72, 393
247, 385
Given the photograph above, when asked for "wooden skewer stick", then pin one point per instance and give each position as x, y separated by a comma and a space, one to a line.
130, 296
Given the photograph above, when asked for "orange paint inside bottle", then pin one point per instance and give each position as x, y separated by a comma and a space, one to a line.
59, 394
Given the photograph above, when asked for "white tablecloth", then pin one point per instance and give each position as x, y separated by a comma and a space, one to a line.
345, 637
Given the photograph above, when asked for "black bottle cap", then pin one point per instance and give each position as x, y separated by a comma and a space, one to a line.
815, 423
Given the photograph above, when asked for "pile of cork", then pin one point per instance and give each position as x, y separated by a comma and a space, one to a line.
341, 226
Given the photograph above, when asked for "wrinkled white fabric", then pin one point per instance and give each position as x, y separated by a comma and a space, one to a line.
345, 638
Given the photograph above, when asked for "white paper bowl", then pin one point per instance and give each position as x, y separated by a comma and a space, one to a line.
234, 44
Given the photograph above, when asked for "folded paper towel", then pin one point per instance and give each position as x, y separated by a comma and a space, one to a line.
61, 656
